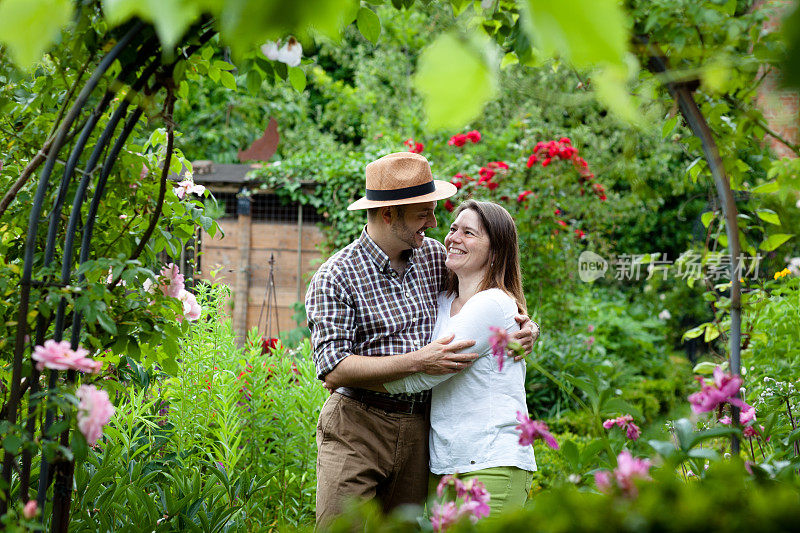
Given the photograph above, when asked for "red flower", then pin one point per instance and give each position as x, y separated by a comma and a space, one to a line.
474, 136
491, 185
414, 147
458, 139
561, 222
457, 183
449, 206
269, 343
557, 212
580, 234
523, 195
498, 164
546, 161
486, 174
504, 198
565, 140
532, 160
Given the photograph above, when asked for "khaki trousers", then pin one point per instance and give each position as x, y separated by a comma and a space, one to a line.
366, 453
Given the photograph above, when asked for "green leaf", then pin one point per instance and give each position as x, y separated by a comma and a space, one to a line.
712, 332
106, 323
12, 444
775, 240
620, 406
668, 126
369, 24
586, 32
712, 433
570, 452
707, 367
227, 80
29, 27
297, 78
694, 332
170, 18
766, 188
768, 215
707, 217
455, 82
610, 84
662, 447
684, 431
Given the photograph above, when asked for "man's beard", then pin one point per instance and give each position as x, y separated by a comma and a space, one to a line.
405, 234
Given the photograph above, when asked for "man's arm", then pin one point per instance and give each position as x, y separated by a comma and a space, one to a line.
332, 319
439, 357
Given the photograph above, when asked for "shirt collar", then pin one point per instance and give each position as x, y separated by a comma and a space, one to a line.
379, 257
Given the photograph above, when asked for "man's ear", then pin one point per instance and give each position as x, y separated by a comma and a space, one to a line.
387, 215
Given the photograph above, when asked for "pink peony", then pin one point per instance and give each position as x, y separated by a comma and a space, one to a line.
173, 283
60, 356
499, 342
94, 412
745, 416
30, 510
477, 498
724, 390
532, 430
191, 309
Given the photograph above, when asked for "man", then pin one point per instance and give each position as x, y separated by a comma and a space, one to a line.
371, 309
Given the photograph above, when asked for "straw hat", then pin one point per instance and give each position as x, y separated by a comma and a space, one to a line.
401, 178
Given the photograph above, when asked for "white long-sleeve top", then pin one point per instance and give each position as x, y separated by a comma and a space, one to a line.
474, 412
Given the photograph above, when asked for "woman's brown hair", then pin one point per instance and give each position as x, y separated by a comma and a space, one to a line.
503, 272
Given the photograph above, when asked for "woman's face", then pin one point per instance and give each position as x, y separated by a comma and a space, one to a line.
467, 244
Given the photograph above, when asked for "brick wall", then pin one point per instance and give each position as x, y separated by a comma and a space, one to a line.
780, 106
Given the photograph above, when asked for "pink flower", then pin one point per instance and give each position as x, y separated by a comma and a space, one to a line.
499, 342
590, 341
476, 499
444, 515
745, 416
172, 284
191, 309
30, 510
532, 430
628, 469
60, 356
94, 412
625, 422
602, 478
590, 328
724, 390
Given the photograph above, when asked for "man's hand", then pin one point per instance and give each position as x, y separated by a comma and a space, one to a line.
528, 334
442, 357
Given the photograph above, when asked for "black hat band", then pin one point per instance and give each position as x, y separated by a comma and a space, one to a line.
383, 195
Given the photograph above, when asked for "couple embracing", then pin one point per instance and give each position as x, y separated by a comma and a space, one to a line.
400, 327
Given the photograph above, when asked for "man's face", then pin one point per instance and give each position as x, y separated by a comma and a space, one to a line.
411, 221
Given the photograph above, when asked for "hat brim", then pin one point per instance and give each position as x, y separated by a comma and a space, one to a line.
444, 189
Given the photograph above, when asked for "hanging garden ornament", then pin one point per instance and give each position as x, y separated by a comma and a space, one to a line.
290, 53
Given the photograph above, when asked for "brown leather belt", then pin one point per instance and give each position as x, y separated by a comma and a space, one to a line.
391, 405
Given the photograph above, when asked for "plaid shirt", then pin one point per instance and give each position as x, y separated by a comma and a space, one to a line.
357, 304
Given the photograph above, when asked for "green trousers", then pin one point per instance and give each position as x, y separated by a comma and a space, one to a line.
508, 486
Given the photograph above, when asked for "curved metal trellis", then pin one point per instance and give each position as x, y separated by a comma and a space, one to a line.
138, 42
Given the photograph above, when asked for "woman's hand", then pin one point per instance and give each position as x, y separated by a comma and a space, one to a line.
528, 334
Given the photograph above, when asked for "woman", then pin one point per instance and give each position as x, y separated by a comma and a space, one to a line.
474, 412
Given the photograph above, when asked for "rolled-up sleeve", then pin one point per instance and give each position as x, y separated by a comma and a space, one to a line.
331, 319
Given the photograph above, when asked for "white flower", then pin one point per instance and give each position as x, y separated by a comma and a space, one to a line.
797, 205
794, 266
270, 49
290, 53
662, 297
664, 315
188, 186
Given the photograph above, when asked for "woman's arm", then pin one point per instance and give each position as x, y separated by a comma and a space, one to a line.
481, 312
